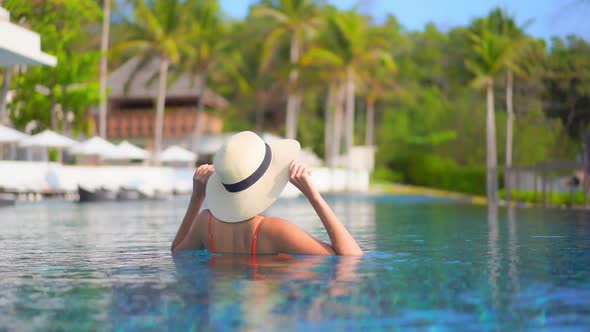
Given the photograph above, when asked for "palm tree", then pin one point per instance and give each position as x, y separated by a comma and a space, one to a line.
104, 46
377, 79
206, 50
376, 87
299, 18
155, 32
500, 23
347, 46
320, 68
347, 54
378, 74
3, 94
505, 25
490, 55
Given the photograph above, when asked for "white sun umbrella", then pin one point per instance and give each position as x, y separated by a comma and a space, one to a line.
9, 135
128, 151
95, 146
176, 154
48, 139
209, 144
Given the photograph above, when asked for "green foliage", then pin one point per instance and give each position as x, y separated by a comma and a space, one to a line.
206, 52
311, 130
552, 198
441, 172
386, 175
293, 19
429, 121
436, 171
53, 155
567, 84
73, 82
491, 53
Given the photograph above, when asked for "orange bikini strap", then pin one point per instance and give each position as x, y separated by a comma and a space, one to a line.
255, 238
211, 244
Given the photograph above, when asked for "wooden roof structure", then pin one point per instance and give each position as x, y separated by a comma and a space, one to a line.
126, 83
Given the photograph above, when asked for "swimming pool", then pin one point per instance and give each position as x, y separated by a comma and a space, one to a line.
430, 264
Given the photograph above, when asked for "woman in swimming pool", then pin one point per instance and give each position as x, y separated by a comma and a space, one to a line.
246, 177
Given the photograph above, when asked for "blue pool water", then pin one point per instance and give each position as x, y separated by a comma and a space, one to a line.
430, 265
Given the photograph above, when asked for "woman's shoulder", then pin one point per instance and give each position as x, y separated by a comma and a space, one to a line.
278, 226
274, 221
288, 238
205, 214
202, 218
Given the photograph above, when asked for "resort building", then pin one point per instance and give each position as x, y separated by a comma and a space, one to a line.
131, 109
18, 47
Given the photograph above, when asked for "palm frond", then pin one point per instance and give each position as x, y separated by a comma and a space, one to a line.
271, 13
148, 20
270, 44
322, 56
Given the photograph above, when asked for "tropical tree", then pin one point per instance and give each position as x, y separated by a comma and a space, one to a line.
350, 50
68, 90
490, 55
4, 94
318, 75
378, 83
377, 77
300, 19
156, 29
502, 24
207, 50
104, 46
567, 86
265, 83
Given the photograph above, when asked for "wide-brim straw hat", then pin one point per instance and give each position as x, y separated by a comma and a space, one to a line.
250, 174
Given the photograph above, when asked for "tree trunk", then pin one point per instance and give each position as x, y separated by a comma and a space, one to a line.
586, 161
370, 121
104, 46
510, 121
161, 103
337, 125
3, 96
200, 111
64, 123
492, 158
54, 110
260, 106
293, 95
329, 126
349, 131
290, 129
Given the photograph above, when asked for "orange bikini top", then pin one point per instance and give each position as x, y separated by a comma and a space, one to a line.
254, 237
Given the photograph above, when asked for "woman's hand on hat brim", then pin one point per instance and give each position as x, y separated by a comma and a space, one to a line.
200, 178
300, 177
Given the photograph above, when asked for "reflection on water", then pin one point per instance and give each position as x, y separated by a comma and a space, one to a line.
513, 248
495, 248
493, 252
430, 264
264, 295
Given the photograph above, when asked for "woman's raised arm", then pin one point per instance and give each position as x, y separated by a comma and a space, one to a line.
200, 178
342, 242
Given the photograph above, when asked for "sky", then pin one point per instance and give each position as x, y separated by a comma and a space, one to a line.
548, 17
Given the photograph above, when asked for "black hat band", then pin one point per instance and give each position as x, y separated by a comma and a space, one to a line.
254, 177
